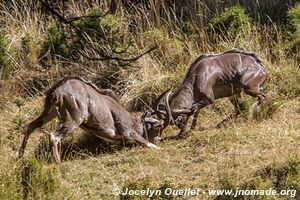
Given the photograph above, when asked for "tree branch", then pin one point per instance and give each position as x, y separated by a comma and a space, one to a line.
101, 56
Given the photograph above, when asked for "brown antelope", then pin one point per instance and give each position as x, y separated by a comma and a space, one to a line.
212, 77
78, 103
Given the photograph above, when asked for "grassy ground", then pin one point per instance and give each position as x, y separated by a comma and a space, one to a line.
37, 51
245, 154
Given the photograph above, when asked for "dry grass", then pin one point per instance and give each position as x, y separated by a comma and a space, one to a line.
242, 154
210, 159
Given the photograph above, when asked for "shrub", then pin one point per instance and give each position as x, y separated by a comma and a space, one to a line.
103, 38
170, 48
232, 23
30, 50
285, 79
54, 42
189, 28
4, 57
293, 30
106, 34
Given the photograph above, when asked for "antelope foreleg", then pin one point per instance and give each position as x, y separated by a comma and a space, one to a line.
139, 139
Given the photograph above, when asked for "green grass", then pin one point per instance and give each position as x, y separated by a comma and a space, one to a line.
243, 154
247, 154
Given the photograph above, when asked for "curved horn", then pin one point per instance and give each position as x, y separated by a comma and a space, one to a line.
169, 117
156, 103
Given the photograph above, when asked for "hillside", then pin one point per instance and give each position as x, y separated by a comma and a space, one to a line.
139, 51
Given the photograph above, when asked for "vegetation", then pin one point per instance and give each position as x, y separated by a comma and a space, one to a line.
4, 57
293, 30
234, 23
104, 43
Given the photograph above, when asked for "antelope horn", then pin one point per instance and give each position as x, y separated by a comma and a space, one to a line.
156, 103
169, 117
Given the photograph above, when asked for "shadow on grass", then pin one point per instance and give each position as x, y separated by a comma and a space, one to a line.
82, 146
265, 111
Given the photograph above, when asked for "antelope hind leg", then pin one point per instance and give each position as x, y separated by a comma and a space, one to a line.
46, 116
56, 137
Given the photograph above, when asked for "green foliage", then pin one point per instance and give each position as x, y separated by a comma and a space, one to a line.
188, 27
243, 107
233, 23
39, 181
293, 30
4, 57
170, 48
285, 80
54, 42
19, 102
52, 47
31, 49
111, 25
106, 32
98, 28
26, 40
103, 37
4, 60
56, 38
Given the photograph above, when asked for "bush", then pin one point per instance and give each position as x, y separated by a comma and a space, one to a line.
30, 50
189, 28
4, 57
285, 79
54, 42
233, 23
106, 34
293, 30
170, 48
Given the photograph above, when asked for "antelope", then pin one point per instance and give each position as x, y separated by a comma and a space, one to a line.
78, 103
212, 77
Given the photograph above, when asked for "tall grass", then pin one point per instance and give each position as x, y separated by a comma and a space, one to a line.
39, 48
